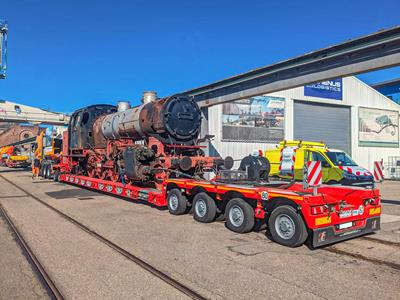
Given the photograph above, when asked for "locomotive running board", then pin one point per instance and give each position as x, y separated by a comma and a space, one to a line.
150, 195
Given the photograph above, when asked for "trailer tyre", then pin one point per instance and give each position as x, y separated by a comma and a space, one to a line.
41, 170
239, 216
56, 176
48, 171
45, 167
287, 227
204, 208
220, 217
177, 203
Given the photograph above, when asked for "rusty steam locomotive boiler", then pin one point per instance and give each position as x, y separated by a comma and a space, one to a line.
174, 120
140, 144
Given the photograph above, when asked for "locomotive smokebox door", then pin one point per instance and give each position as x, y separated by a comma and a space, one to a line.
182, 118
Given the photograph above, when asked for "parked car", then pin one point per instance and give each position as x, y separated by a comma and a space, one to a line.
337, 166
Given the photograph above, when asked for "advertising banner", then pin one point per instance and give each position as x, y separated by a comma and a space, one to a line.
257, 119
378, 127
330, 89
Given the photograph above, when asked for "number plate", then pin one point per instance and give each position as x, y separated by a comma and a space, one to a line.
345, 225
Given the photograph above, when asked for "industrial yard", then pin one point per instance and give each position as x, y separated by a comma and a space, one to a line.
199, 150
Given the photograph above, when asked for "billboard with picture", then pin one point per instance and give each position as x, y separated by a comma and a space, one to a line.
257, 119
378, 127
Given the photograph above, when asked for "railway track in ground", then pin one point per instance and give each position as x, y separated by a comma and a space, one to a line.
43, 276
334, 249
376, 261
379, 241
133, 258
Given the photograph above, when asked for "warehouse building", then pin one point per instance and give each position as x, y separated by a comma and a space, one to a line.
344, 113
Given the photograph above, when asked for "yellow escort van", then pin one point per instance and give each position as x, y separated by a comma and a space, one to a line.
337, 166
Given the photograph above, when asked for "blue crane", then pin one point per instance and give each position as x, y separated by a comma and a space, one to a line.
3, 48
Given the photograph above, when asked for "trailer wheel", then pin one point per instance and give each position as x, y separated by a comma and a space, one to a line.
239, 216
177, 203
44, 172
56, 176
41, 170
48, 171
287, 226
220, 217
204, 208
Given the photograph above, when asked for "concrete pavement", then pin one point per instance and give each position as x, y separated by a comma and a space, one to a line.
214, 261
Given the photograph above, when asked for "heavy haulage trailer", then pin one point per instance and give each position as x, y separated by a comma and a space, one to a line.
13, 157
152, 153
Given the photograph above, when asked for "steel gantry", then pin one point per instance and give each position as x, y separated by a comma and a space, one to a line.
19, 113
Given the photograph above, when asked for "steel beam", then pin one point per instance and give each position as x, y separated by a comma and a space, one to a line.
23, 142
388, 87
19, 113
368, 53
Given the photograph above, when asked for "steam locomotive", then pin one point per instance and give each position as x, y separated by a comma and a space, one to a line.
140, 145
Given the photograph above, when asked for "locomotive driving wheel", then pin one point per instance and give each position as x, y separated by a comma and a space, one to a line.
113, 175
91, 166
103, 174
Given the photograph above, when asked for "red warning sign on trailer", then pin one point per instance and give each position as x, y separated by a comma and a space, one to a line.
314, 173
378, 171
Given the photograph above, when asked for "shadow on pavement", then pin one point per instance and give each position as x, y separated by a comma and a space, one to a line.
395, 202
15, 170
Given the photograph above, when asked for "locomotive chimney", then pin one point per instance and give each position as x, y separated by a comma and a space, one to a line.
149, 97
123, 105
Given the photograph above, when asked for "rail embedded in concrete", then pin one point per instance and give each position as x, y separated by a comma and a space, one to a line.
368, 53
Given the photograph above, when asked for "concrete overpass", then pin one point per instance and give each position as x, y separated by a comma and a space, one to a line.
368, 53
388, 87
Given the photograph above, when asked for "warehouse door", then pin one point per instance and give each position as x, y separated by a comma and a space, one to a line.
319, 122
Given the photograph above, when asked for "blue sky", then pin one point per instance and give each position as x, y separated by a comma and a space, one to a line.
63, 55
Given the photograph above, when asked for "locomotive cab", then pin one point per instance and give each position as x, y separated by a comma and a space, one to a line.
80, 128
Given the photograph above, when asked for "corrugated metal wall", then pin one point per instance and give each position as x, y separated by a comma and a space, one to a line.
333, 124
355, 94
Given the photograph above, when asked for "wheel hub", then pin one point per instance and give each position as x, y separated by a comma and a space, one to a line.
284, 226
236, 216
201, 208
173, 202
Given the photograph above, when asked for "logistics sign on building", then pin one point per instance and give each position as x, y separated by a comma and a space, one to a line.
330, 89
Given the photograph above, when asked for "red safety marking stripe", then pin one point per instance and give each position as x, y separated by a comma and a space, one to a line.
312, 171
315, 173
378, 171
318, 181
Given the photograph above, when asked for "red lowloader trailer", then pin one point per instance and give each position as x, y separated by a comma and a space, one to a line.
291, 213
